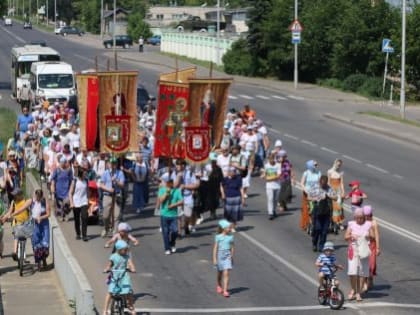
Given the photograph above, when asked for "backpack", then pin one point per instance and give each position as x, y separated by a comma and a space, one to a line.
243, 173
324, 207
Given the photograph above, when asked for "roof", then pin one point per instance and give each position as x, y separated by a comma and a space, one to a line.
33, 50
109, 13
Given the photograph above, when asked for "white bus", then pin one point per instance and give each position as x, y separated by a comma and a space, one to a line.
22, 59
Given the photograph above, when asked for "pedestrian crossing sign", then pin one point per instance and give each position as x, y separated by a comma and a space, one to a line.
386, 46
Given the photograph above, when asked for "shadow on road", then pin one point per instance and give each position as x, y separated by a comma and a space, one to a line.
238, 290
5, 86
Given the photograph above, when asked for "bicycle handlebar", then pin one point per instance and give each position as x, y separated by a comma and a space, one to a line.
110, 270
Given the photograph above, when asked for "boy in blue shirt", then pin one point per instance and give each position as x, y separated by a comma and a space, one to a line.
326, 261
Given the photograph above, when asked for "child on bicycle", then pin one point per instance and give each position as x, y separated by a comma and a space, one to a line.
223, 256
123, 234
119, 280
326, 262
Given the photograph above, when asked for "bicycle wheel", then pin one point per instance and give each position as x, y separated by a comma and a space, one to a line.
117, 307
336, 299
322, 295
21, 260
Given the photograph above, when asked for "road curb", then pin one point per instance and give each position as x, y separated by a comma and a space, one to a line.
369, 127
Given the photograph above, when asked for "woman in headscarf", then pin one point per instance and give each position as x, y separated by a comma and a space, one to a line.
359, 231
373, 245
336, 182
309, 181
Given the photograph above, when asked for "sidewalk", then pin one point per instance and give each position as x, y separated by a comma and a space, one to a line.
35, 292
342, 107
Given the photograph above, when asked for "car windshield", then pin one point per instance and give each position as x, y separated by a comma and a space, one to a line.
55, 81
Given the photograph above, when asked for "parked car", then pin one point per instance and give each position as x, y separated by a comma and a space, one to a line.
27, 25
8, 22
120, 40
57, 30
71, 30
154, 40
143, 97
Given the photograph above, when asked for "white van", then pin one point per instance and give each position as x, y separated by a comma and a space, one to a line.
53, 80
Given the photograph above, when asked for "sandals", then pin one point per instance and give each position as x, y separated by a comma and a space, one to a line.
351, 295
219, 289
358, 298
226, 294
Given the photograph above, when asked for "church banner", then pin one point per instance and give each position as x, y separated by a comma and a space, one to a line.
197, 144
208, 100
118, 111
181, 76
171, 116
88, 99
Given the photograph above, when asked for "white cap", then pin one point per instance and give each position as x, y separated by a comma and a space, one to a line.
124, 227
278, 143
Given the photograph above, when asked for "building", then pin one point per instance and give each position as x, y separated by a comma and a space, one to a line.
120, 23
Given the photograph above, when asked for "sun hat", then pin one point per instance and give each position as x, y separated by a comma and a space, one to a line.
224, 224
278, 143
367, 210
354, 183
282, 153
358, 212
63, 160
124, 227
328, 246
120, 244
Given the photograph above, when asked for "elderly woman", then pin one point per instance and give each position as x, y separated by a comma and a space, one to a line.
309, 181
78, 198
233, 195
358, 233
139, 173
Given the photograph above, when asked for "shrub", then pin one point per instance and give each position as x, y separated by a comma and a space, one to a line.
237, 59
354, 82
372, 87
332, 82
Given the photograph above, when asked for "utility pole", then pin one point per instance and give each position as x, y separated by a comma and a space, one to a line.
113, 32
295, 72
55, 13
402, 92
102, 19
46, 9
218, 33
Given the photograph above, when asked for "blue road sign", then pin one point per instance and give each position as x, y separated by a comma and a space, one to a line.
296, 39
386, 46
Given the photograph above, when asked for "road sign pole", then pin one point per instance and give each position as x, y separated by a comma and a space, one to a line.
295, 74
385, 73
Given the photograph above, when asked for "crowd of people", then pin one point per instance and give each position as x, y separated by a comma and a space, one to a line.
94, 186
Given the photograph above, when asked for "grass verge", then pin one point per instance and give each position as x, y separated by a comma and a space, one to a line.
391, 117
196, 62
8, 124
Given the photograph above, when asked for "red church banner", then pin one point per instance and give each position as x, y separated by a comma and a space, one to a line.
172, 114
197, 140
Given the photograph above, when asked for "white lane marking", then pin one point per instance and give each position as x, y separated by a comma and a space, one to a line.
294, 97
280, 259
291, 137
351, 158
308, 143
232, 97
377, 168
279, 97
246, 96
274, 130
229, 310
263, 97
398, 176
20, 39
1, 97
328, 150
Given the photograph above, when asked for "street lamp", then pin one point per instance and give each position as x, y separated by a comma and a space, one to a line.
218, 33
295, 72
402, 93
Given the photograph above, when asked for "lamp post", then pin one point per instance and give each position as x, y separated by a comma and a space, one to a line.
102, 18
113, 32
55, 13
402, 93
218, 33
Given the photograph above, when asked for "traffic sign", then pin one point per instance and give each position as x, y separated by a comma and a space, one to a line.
296, 26
386, 46
296, 39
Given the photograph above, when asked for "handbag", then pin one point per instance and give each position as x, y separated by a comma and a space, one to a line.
363, 248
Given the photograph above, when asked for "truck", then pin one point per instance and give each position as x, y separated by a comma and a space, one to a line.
195, 23
51, 80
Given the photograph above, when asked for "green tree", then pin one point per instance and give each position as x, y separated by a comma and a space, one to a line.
257, 46
237, 60
138, 27
413, 49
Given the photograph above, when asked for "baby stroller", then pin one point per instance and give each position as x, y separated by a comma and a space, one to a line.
93, 199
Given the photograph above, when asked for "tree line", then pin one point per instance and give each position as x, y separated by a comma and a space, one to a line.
341, 43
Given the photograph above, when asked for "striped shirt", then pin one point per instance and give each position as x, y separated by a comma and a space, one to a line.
326, 260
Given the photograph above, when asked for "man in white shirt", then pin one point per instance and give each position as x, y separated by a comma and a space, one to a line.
73, 136
223, 160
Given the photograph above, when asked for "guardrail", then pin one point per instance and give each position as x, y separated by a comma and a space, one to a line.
72, 278
196, 45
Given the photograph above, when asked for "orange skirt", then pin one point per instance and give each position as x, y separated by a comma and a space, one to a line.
337, 213
304, 216
372, 258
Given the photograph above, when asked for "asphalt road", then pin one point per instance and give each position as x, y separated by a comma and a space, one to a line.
274, 269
